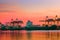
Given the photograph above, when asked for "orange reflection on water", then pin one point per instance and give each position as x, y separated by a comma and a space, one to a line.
25, 35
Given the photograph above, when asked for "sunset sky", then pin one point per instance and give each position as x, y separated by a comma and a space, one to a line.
33, 10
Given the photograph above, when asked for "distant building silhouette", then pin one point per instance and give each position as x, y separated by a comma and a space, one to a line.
15, 25
29, 23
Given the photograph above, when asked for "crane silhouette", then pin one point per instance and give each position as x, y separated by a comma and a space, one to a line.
16, 21
48, 20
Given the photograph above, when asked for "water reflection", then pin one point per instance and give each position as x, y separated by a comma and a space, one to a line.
15, 35
29, 35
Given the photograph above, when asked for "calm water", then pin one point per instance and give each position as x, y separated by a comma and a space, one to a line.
29, 35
